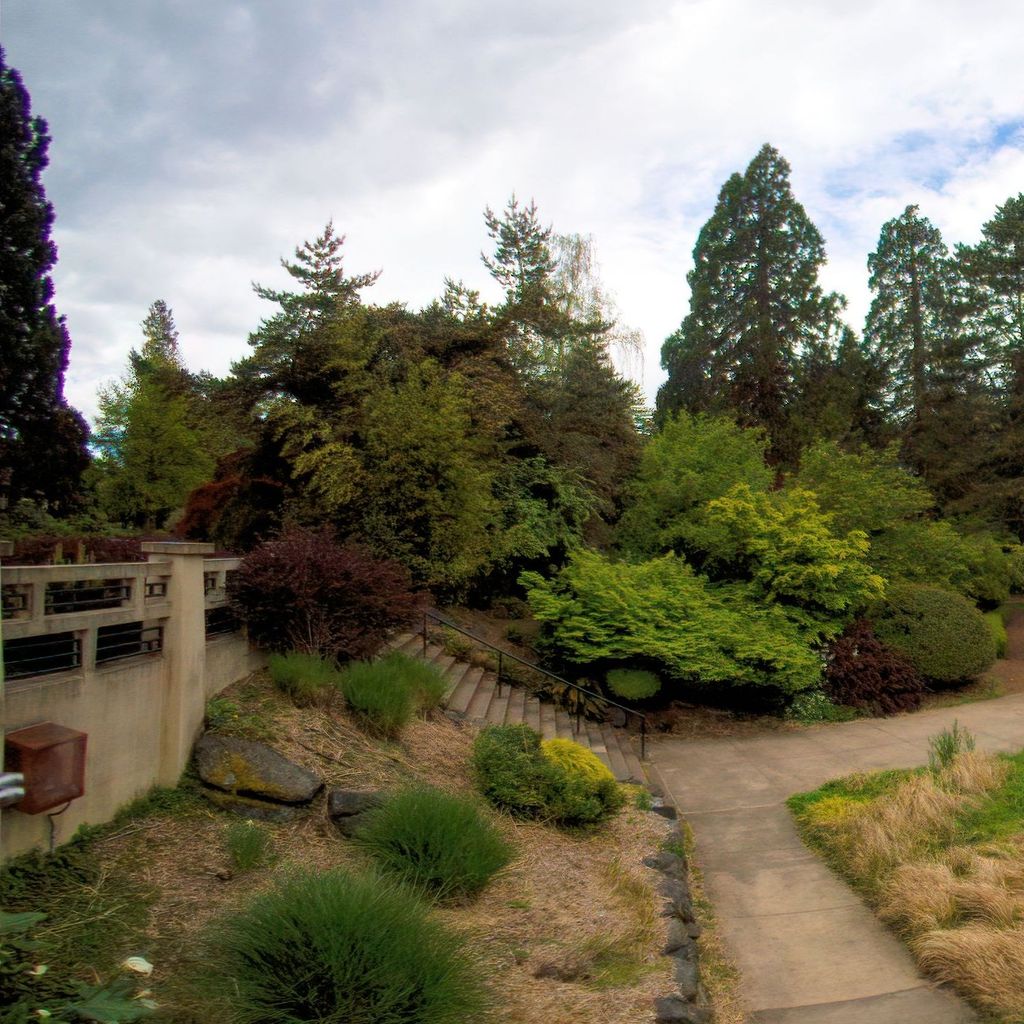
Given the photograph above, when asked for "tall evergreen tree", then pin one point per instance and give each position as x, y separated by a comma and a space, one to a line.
153, 451
34, 342
755, 307
913, 316
994, 272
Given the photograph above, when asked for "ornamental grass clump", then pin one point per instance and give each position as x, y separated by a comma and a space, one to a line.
334, 948
549, 781
387, 693
305, 678
437, 843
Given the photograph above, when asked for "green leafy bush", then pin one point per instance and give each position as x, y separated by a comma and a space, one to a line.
387, 692
942, 633
333, 948
305, 678
516, 776
29, 990
632, 683
997, 627
249, 845
812, 706
689, 462
598, 610
435, 842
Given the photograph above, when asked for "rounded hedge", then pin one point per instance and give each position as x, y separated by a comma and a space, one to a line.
632, 683
943, 634
334, 948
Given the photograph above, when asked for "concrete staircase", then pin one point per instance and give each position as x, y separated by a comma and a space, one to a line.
473, 696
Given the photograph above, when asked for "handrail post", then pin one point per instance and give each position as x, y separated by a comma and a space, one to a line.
424, 636
500, 666
643, 737
579, 716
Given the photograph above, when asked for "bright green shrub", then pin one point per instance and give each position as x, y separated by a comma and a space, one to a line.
332, 948
435, 842
783, 546
689, 462
943, 634
598, 610
306, 678
997, 627
576, 760
632, 684
515, 775
388, 692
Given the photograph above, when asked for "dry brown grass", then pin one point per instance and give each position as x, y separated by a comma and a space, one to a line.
878, 836
580, 899
961, 907
985, 964
972, 773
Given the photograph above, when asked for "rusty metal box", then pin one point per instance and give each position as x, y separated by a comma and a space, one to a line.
52, 759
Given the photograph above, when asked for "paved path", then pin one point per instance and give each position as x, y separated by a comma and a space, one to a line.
809, 951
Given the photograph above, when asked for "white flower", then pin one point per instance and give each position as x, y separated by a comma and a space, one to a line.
138, 964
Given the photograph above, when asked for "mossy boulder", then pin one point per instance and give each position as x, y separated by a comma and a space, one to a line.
247, 768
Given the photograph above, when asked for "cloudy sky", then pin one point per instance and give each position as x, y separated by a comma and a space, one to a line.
197, 142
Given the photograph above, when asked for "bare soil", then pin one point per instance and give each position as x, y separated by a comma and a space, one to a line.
577, 904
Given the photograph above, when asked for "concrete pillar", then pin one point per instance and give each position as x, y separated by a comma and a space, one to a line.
184, 653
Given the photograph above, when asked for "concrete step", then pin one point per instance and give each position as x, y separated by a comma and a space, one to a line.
616, 761
531, 713
464, 692
498, 709
630, 746
443, 663
515, 710
481, 700
455, 675
472, 694
548, 722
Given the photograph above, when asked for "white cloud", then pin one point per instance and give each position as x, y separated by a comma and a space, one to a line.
194, 146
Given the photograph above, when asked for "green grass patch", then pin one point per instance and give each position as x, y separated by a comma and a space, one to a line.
94, 916
334, 947
1000, 815
438, 843
861, 787
996, 622
248, 844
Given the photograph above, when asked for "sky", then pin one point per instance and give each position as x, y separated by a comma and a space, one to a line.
196, 143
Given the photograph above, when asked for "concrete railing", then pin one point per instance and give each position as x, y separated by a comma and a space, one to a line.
128, 653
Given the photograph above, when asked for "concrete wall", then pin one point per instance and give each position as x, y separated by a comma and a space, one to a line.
143, 713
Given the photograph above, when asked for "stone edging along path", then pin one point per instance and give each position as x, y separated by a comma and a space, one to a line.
808, 950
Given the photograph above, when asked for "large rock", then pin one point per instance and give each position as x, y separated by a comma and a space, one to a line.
255, 810
346, 807
253, 769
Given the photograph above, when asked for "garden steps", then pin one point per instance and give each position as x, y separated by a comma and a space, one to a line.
472, 695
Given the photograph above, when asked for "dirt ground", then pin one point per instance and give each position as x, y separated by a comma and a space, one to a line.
581, 903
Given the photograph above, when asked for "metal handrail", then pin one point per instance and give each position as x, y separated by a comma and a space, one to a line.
544, 672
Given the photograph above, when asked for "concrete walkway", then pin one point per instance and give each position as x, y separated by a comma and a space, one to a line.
809, 951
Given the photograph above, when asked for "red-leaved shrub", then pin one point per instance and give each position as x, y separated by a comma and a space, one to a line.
862, 672
48, 549
306, 592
